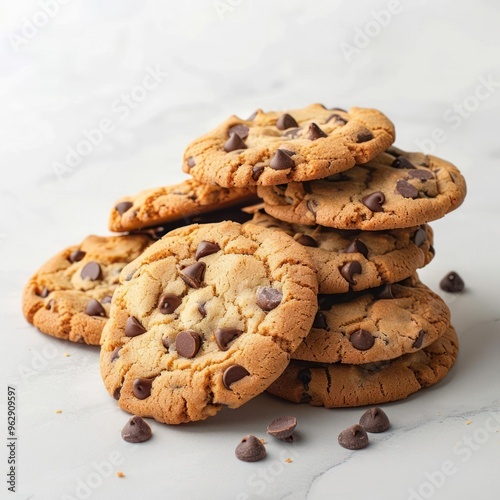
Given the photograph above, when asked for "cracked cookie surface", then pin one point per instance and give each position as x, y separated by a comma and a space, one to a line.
357, 260
274, 147
185, 200
69, 296
340, 386
395, 190
207, 316
375, 325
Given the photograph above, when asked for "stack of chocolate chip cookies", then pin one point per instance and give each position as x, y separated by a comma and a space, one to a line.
287, 262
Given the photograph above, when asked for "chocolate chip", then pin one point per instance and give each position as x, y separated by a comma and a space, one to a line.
123, 206
374, 420
364, 136
402, 162
91, 271
432, 250
107, 299
452, 283
338, 177
239, 129
133, 327
76, 255
353, 438
312, 206
418, 173
349, 270
357, 246
136, 430
168, 303
405, 189
304, 376
307, 241
374, 201
336, 118
289, 152
193, 275
223, 336
282, 428
281, 161
115, 354
362, 340
320, 321
206, 248
419, 237
234, 143
187, 343
286, 121
268, 298
44, 292
142, 387
94, 308
232, 374
385, 293
202, 309
250, 449
314, 132
166, 343
419, 340
117, 392
190, 162
50, 305
257, 172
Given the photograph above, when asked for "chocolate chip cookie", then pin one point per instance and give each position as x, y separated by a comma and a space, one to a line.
395, 190
375, 325
339, 385
69, 296
357, 260
288, 146
161, 205
207, 316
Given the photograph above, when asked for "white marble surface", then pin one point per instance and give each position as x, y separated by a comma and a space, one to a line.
213, 58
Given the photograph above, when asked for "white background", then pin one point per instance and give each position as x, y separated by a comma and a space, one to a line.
432, 66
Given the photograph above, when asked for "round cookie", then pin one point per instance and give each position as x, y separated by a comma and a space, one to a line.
69, 296
392, 191
207, 316
153, 207
340, 386
357, 260
279, 147
375, 325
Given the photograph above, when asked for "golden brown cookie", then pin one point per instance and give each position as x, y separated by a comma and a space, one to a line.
207, 316
287, 146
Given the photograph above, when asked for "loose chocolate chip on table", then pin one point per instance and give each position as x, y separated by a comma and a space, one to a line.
320, 321
349, 270
187, 343
76, 255
419, 237
304, 376
364, 136
190, 162
107, 299
385, 293
223, 337
374, 201
250, 449
94, 308
337, 118
421, 174
122, 207
115, 354
239, 129
286, 121
307, 241
168, 303
362, 340
281, 161
357, 246
402, 162
374, 420
142, 387
133, 327
452, 283
91, 271
419, 340
405, 189
282, 428
353, 438
257, 172
234, 143
206, 248
232, 374
268, 298
193, 275
314, 132
136, 430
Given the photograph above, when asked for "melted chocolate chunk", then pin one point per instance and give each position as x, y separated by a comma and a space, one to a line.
419, 340
257, 172
364, 136
307, 241
349, 270
357, 246
374, 201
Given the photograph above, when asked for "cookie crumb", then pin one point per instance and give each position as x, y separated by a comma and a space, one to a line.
468, 422
263, 441
58, 411
67, 354
288, 460
120, 474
